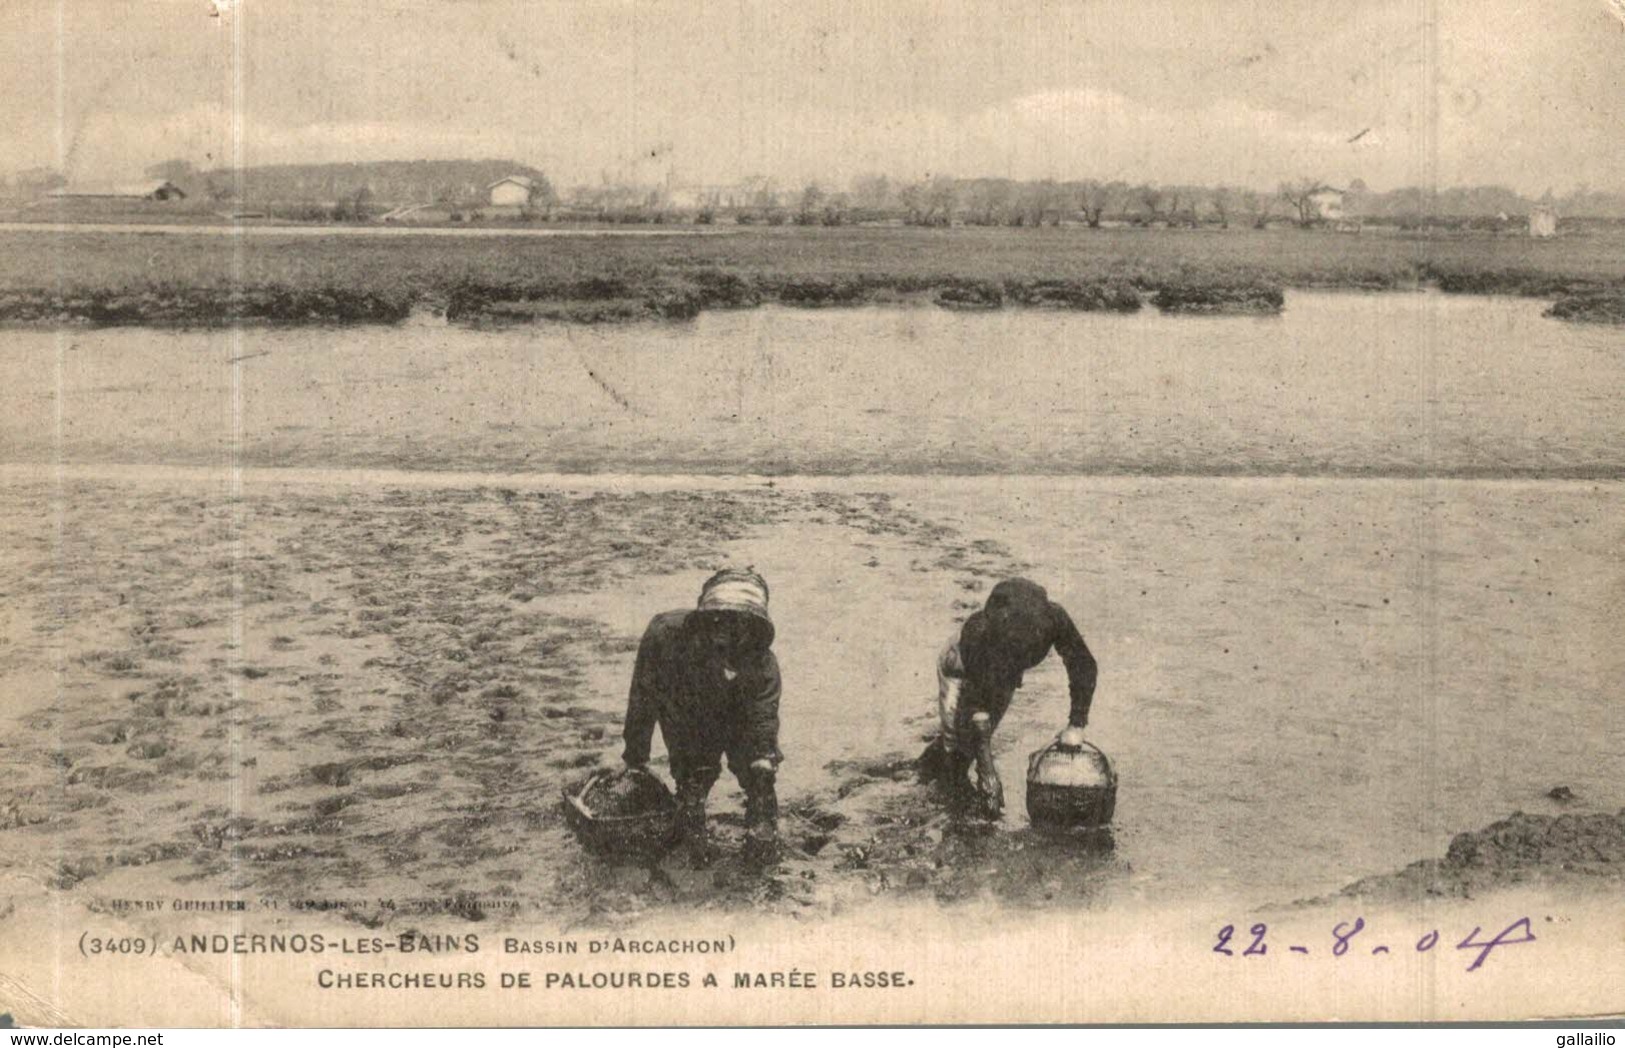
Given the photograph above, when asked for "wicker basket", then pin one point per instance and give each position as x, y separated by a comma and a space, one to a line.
627, 812
1070, 788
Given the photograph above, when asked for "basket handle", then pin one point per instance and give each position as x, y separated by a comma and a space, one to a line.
577, 798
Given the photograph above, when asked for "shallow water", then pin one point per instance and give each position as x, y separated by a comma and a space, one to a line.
1340, 383
1303, 681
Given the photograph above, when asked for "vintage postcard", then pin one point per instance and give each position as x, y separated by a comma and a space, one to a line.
525, 513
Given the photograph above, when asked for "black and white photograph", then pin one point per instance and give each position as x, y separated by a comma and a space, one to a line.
523, 513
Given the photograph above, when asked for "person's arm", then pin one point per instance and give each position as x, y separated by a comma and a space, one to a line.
642, 704
762, 712
950, 681
975, 659
1081, 669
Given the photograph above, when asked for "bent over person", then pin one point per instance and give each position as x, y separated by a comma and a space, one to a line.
981, 668
709, 679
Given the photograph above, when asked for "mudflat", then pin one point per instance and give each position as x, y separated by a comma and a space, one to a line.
250, 683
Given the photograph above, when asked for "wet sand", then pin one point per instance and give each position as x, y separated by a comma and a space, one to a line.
324, 686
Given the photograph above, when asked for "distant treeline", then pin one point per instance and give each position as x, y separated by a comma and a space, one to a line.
387, 183
998, 201
364, 190
358, 187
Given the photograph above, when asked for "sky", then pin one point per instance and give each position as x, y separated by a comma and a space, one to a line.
1421, 92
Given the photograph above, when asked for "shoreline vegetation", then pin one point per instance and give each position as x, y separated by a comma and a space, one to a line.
111, 279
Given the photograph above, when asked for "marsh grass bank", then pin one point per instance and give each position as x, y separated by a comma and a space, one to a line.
112, 278
169, 305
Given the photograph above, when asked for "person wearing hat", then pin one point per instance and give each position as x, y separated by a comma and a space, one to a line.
979, 671
707, 676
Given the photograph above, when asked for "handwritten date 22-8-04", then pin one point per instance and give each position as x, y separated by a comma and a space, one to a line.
1347, 938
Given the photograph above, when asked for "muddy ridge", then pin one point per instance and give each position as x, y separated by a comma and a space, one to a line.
1522, 849
203, 307
1592, 307
615, 299
620, 301
683, 296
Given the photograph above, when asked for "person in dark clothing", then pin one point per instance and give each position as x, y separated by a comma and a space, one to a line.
979, 671
709, 679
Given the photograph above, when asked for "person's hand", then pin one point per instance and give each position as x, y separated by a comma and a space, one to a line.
992, 794
1071, 738
987, 773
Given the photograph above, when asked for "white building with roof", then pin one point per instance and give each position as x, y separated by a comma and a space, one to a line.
512, 191
1328, 203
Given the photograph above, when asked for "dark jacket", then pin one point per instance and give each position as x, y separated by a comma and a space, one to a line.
1014, 632
702, 714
